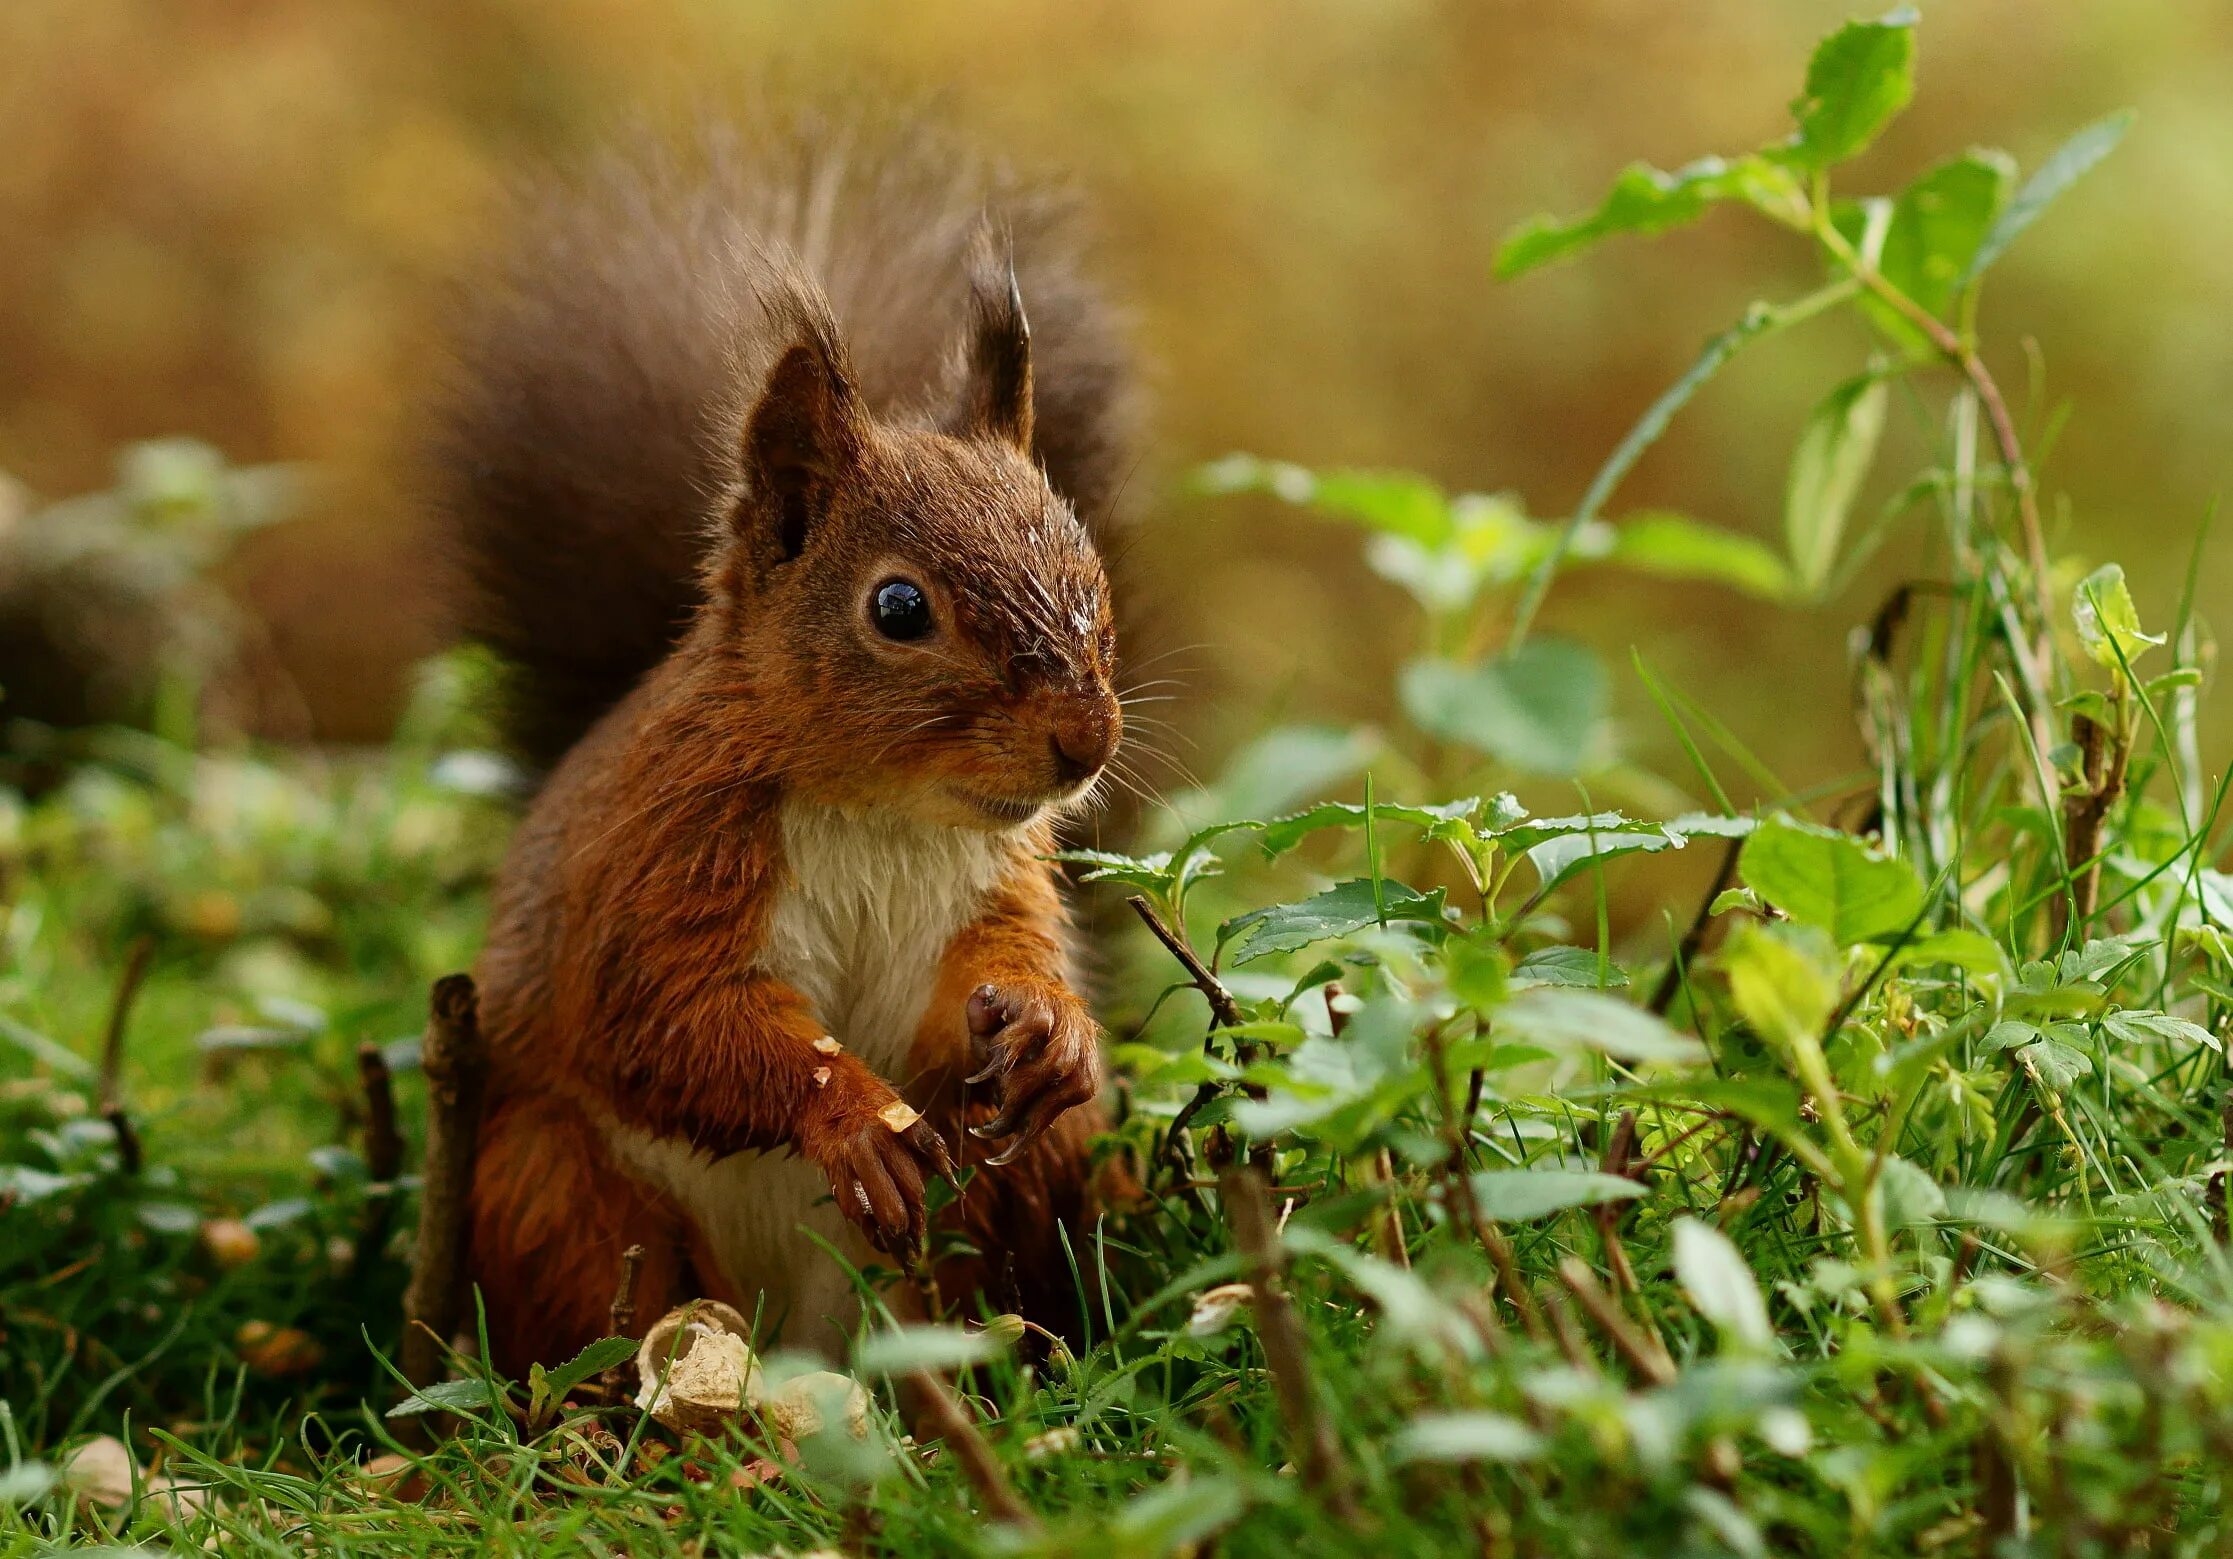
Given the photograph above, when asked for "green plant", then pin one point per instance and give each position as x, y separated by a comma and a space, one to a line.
1880, 1209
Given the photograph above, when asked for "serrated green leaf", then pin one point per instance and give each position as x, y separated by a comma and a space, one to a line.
1821, 877
1860, 77
1539, 709
1646, 200
1575, 966
448, 1396
2108, 623
2072, 161
1283, 834
2054, 1064
1344, 908
1832, 460
1515, 1195
599, 1356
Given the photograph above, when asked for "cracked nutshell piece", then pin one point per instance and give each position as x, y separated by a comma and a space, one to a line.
899, 1115
802, 1405
696, 1371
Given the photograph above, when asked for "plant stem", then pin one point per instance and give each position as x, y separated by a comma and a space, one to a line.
1286, 1352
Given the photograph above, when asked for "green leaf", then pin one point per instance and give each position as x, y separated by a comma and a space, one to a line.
1148, 873
1283, 834
1831, 462
1341, 909
1564, 855
1399, 503
1860, 76
1477, 1436
448, 1396
1538, 709
1514, 1195
2108, 622
1577, 966
1675, 546
2072, 161
2140, 1027
1176, 1516
1585, 1020
1821, 877
1646, 200
1721, 1286
1911, 1196
550, 1386
2054, 1064
1784, 979
1938, 224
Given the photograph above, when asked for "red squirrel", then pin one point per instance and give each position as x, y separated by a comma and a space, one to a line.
770, 471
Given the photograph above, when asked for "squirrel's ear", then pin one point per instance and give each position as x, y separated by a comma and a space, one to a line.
803, 437
995, 393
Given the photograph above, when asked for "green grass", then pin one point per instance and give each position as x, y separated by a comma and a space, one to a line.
1869, 1202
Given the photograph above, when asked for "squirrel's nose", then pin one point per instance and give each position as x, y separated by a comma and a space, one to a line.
1082, 742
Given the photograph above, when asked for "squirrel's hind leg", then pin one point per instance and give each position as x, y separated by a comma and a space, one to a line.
551, 1218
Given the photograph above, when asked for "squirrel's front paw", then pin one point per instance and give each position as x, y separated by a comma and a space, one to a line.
1041, 1044
877, 1153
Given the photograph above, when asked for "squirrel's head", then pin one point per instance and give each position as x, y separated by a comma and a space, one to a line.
924, 617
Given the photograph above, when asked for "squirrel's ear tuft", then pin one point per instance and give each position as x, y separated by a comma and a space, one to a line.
803, 437
994, 400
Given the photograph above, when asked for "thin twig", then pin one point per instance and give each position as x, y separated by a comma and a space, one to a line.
1686, 951
1458, 1193
455, 1063
2105, 756
977, 1462
136, 960
383, 1154
620, 1315
1286, 1355
1223, 1009
1631, 1344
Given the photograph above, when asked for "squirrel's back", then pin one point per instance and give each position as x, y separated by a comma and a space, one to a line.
604, 361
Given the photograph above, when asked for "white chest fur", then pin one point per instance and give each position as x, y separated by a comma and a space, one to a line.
869, 905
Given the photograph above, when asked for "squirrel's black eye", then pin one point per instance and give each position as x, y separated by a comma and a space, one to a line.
901, 609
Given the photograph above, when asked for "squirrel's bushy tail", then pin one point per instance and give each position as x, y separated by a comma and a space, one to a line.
591, 418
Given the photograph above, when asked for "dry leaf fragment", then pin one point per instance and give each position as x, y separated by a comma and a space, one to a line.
899, 1115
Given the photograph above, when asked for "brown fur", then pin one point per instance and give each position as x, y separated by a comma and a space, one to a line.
701, 422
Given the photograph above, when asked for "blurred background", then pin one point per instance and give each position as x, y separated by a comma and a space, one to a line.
230, 220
